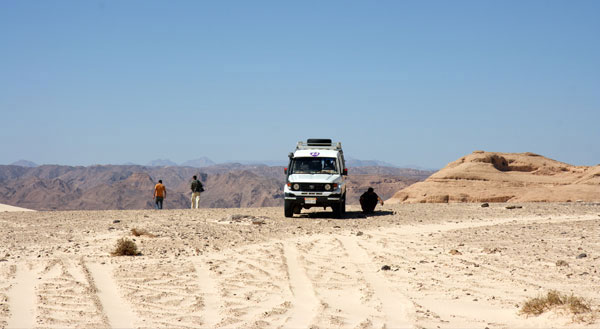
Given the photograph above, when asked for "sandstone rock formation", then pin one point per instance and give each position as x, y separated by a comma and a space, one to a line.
505, 177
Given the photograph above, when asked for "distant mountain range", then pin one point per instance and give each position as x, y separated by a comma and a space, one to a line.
195, 163
55, 187
351, 162
161, 163
206, 162
199, 163
24, 163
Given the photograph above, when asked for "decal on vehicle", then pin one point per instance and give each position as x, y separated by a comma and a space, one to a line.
314, 154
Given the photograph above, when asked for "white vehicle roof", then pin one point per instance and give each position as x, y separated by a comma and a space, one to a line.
316, 154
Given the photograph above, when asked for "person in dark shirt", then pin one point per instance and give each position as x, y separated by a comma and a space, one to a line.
196, 188
368, 201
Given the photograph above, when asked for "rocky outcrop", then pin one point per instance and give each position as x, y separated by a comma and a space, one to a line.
505, 177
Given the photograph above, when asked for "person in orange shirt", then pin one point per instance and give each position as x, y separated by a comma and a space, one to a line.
160, 193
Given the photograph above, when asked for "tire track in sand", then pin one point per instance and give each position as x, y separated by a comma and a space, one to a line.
211, 315
117, 311
7, 276
305, 304
163, 293
397, 308
66, 296
21, 298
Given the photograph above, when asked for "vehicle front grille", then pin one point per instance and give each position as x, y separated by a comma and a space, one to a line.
316, 187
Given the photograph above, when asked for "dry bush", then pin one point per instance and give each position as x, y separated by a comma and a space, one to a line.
125, 247
553, 299
140, 232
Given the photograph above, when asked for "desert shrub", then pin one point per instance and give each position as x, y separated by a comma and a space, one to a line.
140, 232
554, 299
125, 247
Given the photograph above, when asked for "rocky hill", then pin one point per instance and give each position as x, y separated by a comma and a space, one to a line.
103, 187
505, 177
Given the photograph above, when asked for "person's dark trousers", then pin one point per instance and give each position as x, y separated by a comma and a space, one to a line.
159, 202
368, 207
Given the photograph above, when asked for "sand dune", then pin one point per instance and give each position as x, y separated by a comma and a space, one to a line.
7, 208
253, 268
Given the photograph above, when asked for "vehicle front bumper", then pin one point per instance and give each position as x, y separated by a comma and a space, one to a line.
319, 199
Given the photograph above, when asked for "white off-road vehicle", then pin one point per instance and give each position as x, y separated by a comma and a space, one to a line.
315, 177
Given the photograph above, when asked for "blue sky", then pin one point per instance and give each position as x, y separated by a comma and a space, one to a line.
410, 83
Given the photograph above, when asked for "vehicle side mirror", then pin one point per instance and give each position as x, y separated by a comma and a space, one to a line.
345, 172
285, 171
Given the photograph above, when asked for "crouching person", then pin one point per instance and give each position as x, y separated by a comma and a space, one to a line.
368, 201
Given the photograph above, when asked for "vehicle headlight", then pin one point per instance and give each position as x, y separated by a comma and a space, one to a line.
327, 187
296, 187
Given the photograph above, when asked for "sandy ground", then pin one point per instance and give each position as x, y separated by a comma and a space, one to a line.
253, 268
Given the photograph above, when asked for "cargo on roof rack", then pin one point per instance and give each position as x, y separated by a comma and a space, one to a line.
318, 141
322, 144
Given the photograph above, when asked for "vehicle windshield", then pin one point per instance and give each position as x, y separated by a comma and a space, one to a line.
314, 166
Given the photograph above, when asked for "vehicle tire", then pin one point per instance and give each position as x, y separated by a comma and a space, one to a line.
339, 210
288, 209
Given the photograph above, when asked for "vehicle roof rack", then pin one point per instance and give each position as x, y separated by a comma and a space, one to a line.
322, 144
